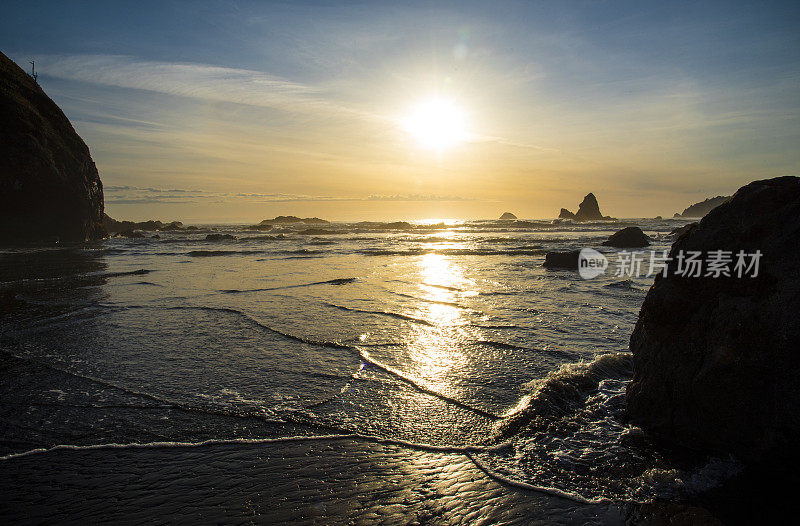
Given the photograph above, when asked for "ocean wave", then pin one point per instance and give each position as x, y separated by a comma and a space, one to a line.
86, 275
216, 253
561, 390
389, 314
336, 281
361, 353
434, 302
522, 251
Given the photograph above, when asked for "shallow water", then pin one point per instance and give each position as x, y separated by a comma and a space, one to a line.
448, 335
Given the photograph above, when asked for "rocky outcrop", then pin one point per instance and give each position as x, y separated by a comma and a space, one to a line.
566, 214
112, 226
49, 186
588, 210
261, 228
678, 232
220, 237
704, 207
508, 216
294, 219
568, 260
717, 360
630, 237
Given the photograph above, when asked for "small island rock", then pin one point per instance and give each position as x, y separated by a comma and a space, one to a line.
630, 237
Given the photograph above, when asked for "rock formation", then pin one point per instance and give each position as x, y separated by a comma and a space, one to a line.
260, 227
717, 360
678, 232
508, 216
568, 260
566, 214
112, 226
588, 210
704, 207
630, 237
49, 186
295, 219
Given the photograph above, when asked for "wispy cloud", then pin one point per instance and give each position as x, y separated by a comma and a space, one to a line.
199, 81
147, 195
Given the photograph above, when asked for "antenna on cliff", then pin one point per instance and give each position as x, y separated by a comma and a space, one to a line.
33, 72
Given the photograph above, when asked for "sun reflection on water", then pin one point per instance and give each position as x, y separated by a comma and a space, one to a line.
436, 351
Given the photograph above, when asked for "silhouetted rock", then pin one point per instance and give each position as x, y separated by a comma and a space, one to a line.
630, 237
588, 210
295, 219
220, 237
49, 186
262, 227
717, 360
112, 226
562, 259
131, 233
678, 232
508, 216
174, 225
566, 214
704, 207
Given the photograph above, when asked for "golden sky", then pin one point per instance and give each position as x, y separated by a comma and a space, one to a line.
234, 112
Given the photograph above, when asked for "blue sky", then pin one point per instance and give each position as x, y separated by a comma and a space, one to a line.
252, 109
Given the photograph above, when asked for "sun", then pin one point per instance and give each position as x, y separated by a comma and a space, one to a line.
436, 124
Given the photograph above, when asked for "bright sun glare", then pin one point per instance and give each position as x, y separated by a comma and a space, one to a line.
437, 124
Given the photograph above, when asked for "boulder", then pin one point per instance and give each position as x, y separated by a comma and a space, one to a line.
49, 186
717, 360
568, 260
507, 216
220, 237
588, 210
630, 237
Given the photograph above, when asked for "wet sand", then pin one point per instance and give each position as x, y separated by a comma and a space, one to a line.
327, 481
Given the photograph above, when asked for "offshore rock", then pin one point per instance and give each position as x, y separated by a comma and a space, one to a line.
588, 210
630, 237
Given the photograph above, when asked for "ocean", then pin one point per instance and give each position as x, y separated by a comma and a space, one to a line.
330, 370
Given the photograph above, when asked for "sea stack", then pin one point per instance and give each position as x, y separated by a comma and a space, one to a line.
49, 186
588, 210
508, 216
717, 359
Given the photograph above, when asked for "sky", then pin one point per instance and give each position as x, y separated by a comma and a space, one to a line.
233, 111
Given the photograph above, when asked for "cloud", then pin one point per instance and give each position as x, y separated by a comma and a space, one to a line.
198, 81
147, 195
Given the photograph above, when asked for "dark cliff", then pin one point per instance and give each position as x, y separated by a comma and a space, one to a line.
49, 186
